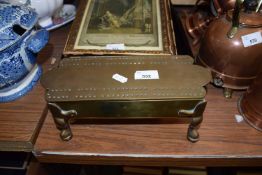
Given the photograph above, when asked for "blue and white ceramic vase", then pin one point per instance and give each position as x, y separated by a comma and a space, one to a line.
19, 44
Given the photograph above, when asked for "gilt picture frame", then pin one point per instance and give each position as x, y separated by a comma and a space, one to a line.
121, 27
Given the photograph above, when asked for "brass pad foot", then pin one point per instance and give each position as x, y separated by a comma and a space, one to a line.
192, 134
66, 135
228, 93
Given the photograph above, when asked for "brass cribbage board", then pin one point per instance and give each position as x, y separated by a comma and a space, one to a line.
126, 87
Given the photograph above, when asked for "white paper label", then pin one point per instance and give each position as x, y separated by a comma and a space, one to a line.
239, 118
147, 75
115, 47
120, 78
252, 39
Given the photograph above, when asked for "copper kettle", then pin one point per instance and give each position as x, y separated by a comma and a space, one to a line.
232, 48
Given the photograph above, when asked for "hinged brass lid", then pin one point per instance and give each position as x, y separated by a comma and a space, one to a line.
92, 78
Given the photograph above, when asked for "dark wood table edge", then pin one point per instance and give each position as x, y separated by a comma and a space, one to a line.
148, 160
24, 146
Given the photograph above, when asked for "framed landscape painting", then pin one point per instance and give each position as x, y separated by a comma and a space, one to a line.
126, 27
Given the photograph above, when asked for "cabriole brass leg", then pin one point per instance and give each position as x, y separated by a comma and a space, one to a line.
61, 119
197, 116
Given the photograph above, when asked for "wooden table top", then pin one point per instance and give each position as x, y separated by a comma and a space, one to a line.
21, 120
223, 141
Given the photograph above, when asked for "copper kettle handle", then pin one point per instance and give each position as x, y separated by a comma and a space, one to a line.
235, 20
259, 5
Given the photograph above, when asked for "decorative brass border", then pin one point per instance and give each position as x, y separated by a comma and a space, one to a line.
168, 36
